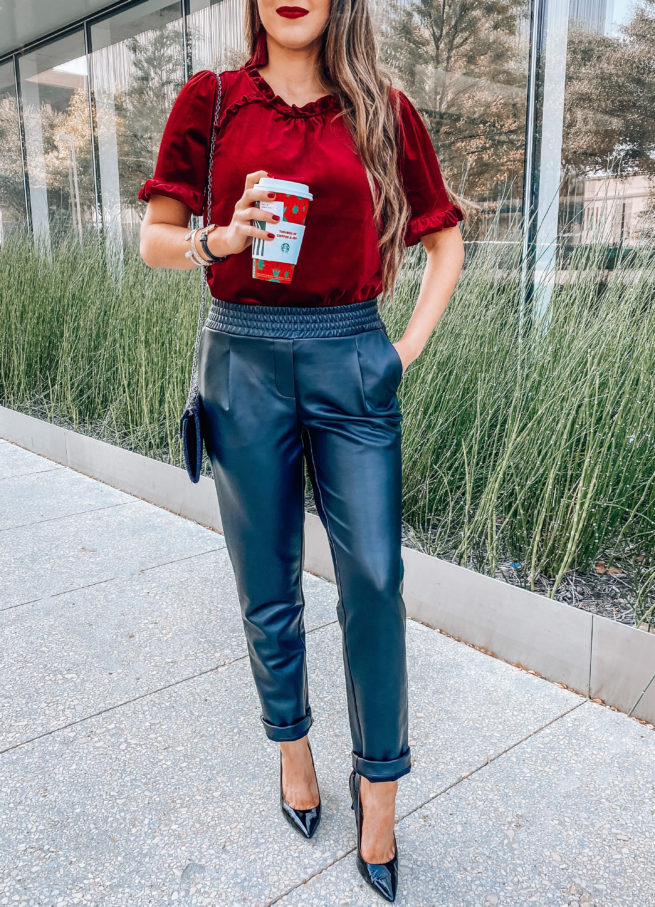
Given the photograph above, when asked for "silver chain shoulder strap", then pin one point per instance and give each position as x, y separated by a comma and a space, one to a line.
193, 390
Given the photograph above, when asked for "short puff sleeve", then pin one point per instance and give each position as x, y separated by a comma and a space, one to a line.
183, 158
431, 207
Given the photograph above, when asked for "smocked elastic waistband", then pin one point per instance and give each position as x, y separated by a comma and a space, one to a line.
294, 321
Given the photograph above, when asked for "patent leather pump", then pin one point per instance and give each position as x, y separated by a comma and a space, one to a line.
303, 820
383, 877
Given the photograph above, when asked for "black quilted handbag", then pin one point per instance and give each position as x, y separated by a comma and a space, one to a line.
190, 428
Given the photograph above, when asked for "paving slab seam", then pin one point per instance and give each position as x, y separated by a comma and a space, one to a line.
187, 557
120, 705
109, 579
153, 692
36, 472
66, 516
44, 598
429, 800
284, 894
491, 759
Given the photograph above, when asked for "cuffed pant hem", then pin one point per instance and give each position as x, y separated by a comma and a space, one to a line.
387, 770
289, 731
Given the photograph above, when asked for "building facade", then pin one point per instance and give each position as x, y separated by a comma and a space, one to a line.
521, 103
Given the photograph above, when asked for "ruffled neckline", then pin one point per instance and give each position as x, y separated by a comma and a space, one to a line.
321, 105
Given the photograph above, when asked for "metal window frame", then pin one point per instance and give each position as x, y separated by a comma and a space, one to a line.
21, 139
533, 104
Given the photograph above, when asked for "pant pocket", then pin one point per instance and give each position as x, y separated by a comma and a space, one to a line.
214, 369
214, 390
381, 369
396, 355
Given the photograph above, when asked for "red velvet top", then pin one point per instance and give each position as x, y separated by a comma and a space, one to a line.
339, 261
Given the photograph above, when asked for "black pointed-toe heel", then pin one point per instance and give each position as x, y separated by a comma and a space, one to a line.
303, 820
383, 877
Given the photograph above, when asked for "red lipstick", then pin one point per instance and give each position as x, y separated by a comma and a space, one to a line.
291, 12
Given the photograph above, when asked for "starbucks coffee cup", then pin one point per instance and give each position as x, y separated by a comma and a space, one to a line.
275, 259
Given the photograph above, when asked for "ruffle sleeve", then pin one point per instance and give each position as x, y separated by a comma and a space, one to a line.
420, 173
183, 157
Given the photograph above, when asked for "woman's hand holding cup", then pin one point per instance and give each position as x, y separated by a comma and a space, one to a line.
240, 232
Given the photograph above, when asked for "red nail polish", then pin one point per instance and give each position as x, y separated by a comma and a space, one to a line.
271, 194
276, 217
271, 235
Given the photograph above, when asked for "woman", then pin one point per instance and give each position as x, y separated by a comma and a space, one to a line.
304, 371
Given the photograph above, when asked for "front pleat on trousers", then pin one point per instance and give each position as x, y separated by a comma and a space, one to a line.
282, 388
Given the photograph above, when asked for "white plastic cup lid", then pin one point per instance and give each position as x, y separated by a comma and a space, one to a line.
288, 186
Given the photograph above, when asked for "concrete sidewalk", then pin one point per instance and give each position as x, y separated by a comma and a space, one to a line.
134, 769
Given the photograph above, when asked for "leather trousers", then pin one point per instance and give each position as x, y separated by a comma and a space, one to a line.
285, 387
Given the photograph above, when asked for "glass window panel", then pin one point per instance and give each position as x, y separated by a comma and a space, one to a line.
471, 91
608, 190
137, 65
467, 75
215, 34
12, 190
54, 96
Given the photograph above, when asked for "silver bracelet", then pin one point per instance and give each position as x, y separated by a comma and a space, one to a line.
193, 253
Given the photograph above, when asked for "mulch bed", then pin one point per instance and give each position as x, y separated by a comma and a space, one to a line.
607, 594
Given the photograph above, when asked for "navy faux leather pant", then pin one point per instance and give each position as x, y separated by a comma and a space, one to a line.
285, 386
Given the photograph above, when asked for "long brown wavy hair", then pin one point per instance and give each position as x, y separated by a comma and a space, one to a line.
349, 67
